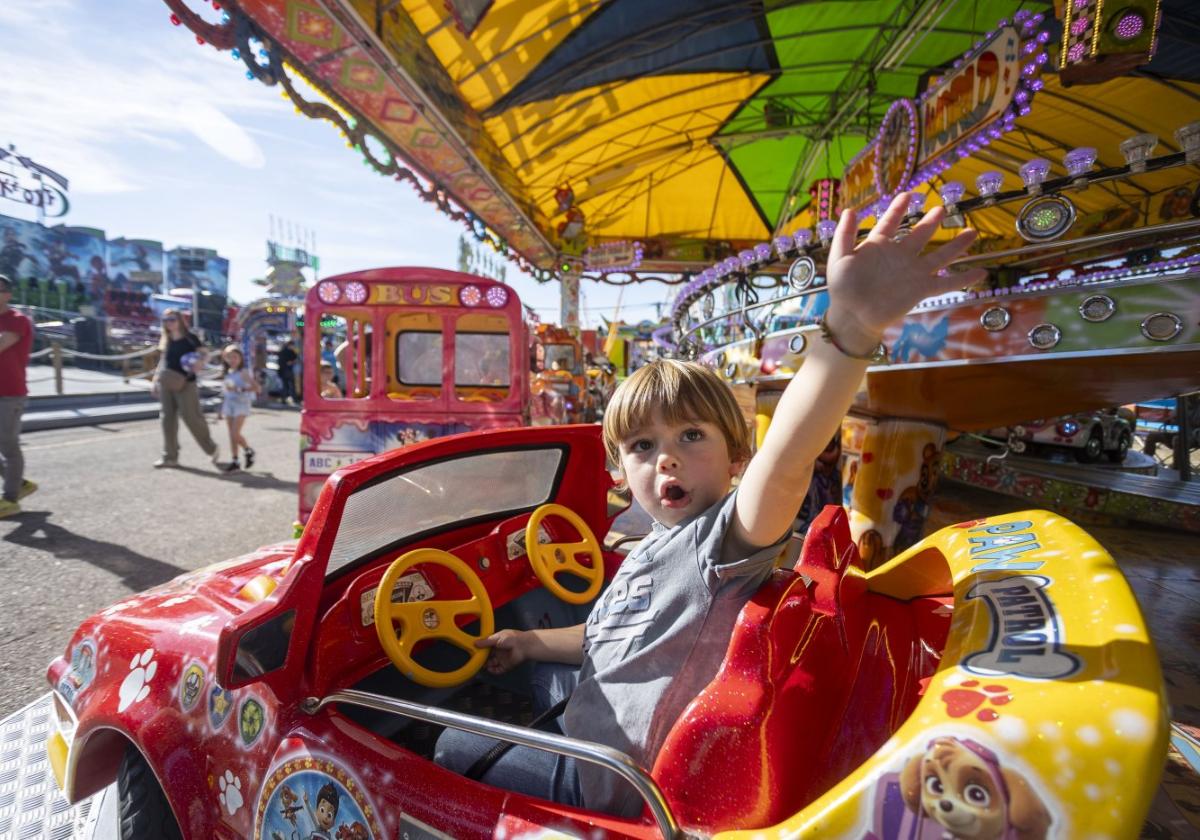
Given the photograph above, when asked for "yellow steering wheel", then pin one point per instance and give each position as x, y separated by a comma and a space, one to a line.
549, 559
420, 620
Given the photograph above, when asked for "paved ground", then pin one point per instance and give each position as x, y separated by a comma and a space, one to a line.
105, 524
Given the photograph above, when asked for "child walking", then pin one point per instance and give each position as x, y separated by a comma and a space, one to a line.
240, 388
660, 631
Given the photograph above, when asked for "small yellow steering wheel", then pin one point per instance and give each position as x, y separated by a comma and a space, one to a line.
420, 620
549, 559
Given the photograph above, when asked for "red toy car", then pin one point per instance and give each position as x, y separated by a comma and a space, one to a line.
296, 693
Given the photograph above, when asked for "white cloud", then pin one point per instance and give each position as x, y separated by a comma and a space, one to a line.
82, 100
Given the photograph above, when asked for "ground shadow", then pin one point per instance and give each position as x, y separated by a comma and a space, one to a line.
137, 571
247, 478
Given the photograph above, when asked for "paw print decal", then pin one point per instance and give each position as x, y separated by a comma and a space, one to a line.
231, 792
969, 696
136, 686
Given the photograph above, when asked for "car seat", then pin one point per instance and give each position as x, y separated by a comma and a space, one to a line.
819, 673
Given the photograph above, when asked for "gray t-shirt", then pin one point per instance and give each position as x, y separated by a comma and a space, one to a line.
655, 639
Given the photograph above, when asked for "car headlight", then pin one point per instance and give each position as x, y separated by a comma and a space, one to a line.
1067, 428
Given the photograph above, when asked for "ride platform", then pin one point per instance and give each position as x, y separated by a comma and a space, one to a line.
1137, 490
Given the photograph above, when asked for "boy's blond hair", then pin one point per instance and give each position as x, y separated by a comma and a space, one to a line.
681, 392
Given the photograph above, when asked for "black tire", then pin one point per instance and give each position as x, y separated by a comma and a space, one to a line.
143, 810
1093, 450
1117, 456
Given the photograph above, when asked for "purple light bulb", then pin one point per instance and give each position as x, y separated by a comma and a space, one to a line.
952, 192
802, 237
1033, 173
825, 229
762, 252
783, 244
1078, 162
916, 204
746, 258
989, 183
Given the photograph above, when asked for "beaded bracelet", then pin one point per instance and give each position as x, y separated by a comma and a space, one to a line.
878, 355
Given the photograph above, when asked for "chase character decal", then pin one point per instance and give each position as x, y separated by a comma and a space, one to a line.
314, 799
191, 685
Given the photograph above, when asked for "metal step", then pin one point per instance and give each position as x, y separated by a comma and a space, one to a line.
31, 805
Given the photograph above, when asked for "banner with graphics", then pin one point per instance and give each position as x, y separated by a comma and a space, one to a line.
136, 265
198, 268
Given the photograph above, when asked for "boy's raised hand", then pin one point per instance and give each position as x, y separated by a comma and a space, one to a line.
876, 281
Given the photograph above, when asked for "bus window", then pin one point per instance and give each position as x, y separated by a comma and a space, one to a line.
415, 366
350, 339
481, 358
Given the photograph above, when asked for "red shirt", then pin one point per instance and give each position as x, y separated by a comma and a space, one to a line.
15, 359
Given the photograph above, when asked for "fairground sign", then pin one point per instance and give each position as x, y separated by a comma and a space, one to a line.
24, 181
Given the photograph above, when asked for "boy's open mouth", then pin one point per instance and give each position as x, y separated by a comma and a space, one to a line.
673, 495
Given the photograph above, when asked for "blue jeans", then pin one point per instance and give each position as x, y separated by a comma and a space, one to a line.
522, 769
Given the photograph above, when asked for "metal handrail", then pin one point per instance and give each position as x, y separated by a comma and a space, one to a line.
593, 753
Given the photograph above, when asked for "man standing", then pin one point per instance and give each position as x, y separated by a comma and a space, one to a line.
286, 359
16, 340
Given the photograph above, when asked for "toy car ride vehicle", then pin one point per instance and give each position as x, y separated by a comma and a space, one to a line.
963, 689
1090, 435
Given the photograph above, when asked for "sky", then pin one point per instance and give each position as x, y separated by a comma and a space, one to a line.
167, 140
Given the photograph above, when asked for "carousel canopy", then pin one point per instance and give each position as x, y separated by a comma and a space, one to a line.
576, 128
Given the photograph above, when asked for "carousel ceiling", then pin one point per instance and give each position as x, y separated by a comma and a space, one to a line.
698, 128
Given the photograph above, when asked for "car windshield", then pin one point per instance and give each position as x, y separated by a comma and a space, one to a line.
429, 496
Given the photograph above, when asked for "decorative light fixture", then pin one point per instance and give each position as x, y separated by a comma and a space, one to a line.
1103, 39
802, 273
802, 238
995, 319
1162, 326
762, 253
784, 243
470, 296
1188, 137
1137, 150
989, 183
328, 292
825, 230
1078, 163
916, 204
824, 194
1033, 173
1097, 308
1045, 336
746, 259
952, 193
355, 292
496, 296
1045, 218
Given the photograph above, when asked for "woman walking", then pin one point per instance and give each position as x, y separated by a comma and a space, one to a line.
175, 386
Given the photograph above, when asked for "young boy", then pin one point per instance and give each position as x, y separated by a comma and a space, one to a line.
660, 631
